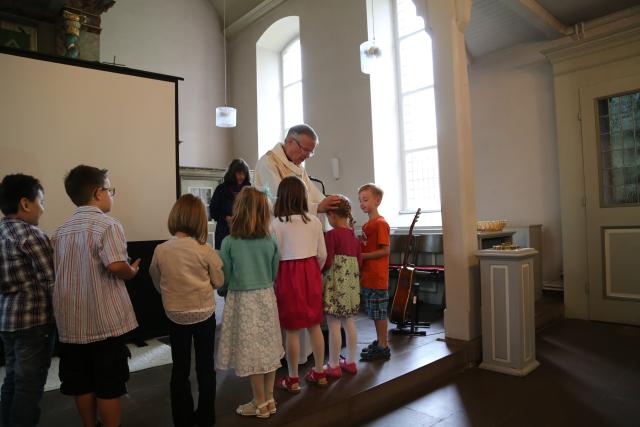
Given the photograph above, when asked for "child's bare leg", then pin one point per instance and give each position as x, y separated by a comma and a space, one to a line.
382, 331
317, 345
269, 380
352, 338
257, 387
86, 404
335, 339
110, 413
293, 351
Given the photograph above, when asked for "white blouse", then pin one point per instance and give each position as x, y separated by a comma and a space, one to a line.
298, 240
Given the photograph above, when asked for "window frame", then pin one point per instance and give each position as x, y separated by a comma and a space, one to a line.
286, 47
400, 96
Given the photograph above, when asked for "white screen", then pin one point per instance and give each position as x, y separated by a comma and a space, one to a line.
56, 116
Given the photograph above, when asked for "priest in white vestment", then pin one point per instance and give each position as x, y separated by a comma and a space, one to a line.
284, 160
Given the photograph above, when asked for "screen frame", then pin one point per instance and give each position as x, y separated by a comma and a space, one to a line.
112, 69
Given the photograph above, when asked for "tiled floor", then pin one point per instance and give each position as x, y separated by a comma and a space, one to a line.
589, 375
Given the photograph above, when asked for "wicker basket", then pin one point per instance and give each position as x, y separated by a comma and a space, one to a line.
496, 225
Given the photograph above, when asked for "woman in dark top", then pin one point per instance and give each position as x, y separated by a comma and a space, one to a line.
221, 205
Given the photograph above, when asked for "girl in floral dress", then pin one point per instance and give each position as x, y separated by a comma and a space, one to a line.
250, 337
341, 288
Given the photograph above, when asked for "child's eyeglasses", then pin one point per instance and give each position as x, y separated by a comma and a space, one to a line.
111, 190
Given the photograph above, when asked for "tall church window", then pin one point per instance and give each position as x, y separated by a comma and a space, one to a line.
416, 101
291, 92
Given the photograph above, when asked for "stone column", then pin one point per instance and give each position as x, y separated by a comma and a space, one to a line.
446, 21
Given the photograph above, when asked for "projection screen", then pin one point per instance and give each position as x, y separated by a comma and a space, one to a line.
55, 115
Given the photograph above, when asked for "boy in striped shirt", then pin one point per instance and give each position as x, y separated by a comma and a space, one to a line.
90, 300
26, 318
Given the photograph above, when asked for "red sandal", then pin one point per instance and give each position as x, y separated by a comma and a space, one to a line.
291, 384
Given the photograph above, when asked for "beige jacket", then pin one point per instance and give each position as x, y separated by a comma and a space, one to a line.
273, 167
185, 273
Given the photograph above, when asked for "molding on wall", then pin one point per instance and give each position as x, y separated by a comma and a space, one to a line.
253, 15
609, 35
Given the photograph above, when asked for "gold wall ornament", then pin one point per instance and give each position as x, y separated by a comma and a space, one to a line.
72, 22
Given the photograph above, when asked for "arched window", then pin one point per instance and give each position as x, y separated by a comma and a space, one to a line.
291, 92
279, 81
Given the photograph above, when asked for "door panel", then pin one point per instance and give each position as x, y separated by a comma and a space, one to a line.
611, 154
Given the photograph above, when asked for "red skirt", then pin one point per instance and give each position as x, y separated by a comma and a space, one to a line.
298, 289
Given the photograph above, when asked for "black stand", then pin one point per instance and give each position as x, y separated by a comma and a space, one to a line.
414, 322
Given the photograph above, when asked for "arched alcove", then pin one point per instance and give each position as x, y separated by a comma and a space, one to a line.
269, 79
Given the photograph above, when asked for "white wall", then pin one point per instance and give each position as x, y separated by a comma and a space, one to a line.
514, 133
336, 94
184, 39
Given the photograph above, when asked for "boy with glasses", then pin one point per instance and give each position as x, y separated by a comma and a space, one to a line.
90, 300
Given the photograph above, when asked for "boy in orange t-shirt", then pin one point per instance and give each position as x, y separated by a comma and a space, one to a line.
374, 275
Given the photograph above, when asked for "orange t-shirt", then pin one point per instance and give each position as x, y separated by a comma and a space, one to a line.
375, 272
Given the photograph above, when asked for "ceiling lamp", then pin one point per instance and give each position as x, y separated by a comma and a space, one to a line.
225, 116
370, 51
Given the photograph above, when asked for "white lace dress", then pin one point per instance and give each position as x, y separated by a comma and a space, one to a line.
250, 340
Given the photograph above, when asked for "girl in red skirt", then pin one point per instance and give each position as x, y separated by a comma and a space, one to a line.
298, 284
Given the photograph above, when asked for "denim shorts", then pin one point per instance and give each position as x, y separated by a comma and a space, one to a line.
375, 302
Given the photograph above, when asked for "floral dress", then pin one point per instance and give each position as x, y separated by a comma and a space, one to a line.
341, 282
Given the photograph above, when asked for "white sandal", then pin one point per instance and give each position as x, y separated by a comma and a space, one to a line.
272, 405
263, 406
252, 410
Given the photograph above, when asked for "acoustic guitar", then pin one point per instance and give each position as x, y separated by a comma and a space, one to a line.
402, 295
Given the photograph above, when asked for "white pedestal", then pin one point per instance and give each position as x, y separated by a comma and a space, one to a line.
508, 322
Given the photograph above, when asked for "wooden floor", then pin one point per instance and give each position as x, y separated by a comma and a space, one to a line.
589, 376
415, 363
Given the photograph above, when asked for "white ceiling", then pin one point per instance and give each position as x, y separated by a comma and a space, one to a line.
571, 12
495, 24
235, 8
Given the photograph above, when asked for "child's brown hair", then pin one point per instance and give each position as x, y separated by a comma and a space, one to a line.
343, 210
292, 199
251, 215
375, 190
189, 216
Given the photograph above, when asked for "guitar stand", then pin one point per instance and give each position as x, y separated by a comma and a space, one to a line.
414, 323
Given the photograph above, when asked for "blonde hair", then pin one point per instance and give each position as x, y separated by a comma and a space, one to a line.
251, 215
343, 210
375, 190
189, 216
292, 199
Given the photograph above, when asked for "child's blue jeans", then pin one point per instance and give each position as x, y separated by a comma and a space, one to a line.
27, 356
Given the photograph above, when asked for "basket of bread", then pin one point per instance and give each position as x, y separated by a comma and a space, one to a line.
495, 225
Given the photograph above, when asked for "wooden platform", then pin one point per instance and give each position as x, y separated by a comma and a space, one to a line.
416, 363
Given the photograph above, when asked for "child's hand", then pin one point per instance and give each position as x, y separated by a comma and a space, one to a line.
135, 265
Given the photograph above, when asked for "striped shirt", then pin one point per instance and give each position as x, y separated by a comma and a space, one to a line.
26, 276
90, 304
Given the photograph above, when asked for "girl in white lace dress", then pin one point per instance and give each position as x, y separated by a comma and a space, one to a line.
250, 338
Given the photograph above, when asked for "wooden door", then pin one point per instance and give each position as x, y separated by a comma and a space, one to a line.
610, 120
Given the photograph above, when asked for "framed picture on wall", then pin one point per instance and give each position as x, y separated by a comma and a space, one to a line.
204, 193
201, 182
18, 36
